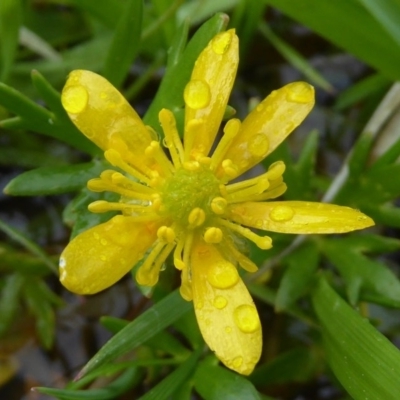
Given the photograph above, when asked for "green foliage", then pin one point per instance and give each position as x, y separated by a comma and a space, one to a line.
148, 49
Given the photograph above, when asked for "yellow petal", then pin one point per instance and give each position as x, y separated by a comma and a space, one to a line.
299, 217
225, 311
102, 114
269, 124
100, 256
207, 93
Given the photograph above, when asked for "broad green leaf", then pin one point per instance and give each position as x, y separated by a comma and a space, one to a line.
121, 385
28, 244
387, 13
344, 23
27, 158
173, 381
368, 278
213, 382
170, 92
9, 300
53, 180
125, 43
295, 58
296, 365
10, 22
365, 362
137, 332
298, 277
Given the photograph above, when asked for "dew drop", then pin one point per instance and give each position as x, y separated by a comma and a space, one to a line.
62, 263
228, 329
281, 213
223, 275
258, 145
220, 302
197, 94
300, 92
260, 107
103, 95
103, 242
96, 236
220, 44
246, 318
74, 99
103, 257
199, 305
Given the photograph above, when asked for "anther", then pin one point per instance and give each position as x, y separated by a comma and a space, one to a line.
276, 170
218, 205
230, 169
191, 165
166, 234
196, 217
213, 235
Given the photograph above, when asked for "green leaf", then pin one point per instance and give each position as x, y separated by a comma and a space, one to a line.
9, 300
364, 276
173, 381
147, 325
121, 385
344, 23
53, 180
295, 58
170, 92
10, 22
296, 365
359, 155
215, 383
125, 44
298, 277
365, 362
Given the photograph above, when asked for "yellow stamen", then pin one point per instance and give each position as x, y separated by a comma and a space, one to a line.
100, 185
230, 131
191, 165
263, 242
277, 191
154, 150
178, 262
187, 247
213, 235
230, 170
261, 184
101, 206
218, 205
196, 217
172, 139
115, 159
166, 234
243, 261
147, 275
121, 180
186, 286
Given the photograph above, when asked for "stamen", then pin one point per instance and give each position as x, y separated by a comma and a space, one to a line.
172, 139
100, 185
194, 128
230, 131
146, 275
121, 180
187, 249
263, 242
166, 234
269, 194
191, 165
213, 235
276, 170
230, 170
196, 217
101, 206
154, 150
243, 261
247, 193
115, 159
218, 205
186, 286
178, 262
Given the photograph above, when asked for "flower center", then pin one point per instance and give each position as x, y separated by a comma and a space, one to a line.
187, 195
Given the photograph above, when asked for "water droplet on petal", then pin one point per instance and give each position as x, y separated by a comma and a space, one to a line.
223, 275
220, 302
258, 145
103, 242
228, 329
199, 305
62, 262
96, 236
103, 95
103, 257
260, 107
220, 44
300, 92
246, 318
197, 94
237, 362
74, 99
281, 213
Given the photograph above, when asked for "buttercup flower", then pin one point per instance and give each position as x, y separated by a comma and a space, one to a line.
184, 205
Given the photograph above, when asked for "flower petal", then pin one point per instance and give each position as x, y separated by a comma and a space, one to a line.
225, 311
299, 217
207, 93
269, 124
102, 114
100, 256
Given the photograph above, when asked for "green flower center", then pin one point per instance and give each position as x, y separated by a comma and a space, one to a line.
186, 191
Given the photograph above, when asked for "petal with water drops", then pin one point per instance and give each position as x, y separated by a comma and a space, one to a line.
299, 217
225, 311
100, 256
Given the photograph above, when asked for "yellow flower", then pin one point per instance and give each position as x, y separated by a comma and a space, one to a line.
184, 204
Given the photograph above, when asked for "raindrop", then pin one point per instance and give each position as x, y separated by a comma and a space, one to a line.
62, 262
220, 302
258, 145
74, 99
246, 318
223, 275
300, 92
237, 362
281, 213
197, 94
103, 242
220, 44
